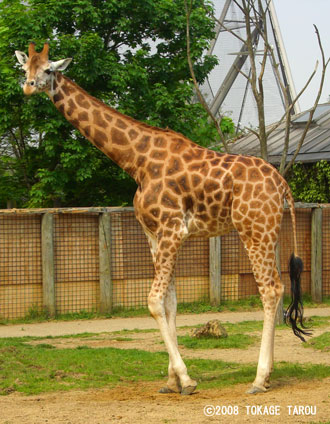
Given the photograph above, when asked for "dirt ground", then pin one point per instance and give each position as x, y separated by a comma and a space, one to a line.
286, 401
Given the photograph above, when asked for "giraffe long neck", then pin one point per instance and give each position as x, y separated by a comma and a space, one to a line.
115, 134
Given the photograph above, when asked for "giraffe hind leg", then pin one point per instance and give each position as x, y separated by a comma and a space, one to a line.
263, 262
271, 298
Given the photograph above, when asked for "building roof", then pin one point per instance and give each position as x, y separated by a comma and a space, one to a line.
315, 147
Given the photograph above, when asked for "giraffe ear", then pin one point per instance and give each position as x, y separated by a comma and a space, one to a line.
21, 57
60, 65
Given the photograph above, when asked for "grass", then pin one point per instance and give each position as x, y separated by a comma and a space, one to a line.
237, 339
321, 342
250, 303
33, 369
42, 368
233, 341
318, 321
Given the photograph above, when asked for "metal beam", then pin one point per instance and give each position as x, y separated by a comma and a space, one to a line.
232, 75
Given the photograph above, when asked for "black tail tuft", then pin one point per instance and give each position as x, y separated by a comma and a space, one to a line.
295, 310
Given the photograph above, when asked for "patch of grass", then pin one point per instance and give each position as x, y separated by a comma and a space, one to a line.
136, 331
247, 304
85, 335
317, 321
244, 326
285, 370
234, 341
237, 337
309, 303
34, 369
45, 346
320, 422
226, 374
321, 342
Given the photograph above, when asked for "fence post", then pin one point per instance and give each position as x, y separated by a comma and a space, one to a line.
316, 255
47, 250
215, 270
105, 263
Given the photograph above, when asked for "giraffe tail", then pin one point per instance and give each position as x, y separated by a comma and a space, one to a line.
295, 311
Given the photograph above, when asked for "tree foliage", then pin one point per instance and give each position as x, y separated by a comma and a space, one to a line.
131, 55
311, 182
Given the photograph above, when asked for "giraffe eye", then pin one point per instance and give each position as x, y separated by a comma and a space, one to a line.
48, 71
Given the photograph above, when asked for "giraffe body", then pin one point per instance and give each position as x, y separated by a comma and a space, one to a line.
184, 190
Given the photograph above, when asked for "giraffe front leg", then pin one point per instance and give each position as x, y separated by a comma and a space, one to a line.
173, 383
179, 379
162, 306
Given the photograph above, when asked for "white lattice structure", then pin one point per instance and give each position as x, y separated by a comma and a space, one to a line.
226, 89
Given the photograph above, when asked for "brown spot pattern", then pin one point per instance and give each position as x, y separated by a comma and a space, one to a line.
183, 185
98, 119
82, 101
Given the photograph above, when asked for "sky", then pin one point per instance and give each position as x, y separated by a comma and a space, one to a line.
296, 19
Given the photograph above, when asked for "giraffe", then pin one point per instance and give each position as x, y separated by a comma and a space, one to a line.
184, 190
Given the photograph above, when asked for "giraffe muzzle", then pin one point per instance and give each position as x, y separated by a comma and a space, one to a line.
30, 87
34, 86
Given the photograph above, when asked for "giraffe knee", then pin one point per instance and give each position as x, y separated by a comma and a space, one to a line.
156, 305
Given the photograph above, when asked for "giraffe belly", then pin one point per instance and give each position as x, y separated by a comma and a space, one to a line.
203, 225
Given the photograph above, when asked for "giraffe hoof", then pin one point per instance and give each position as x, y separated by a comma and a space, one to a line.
188, 390
254, 390
166, 390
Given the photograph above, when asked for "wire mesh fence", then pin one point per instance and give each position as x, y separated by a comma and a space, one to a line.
133, 270
76, 262
303, 223
20, 265
76, 259
326, 252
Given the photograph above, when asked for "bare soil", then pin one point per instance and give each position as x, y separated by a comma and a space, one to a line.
286, 401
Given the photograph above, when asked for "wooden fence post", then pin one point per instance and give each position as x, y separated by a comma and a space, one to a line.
47, 250
215, 270
105, 263
316, 255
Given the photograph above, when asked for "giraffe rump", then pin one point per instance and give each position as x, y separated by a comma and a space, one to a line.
295, 311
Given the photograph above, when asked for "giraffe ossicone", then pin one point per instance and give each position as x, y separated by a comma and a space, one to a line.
184, 190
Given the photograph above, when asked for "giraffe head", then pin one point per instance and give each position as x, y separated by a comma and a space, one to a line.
39, 70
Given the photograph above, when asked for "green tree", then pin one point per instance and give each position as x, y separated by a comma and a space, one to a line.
311, 182
129, 54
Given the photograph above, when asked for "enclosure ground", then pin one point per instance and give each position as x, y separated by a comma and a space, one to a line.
138, 402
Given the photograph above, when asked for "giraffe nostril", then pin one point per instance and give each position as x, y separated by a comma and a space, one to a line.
31, 83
